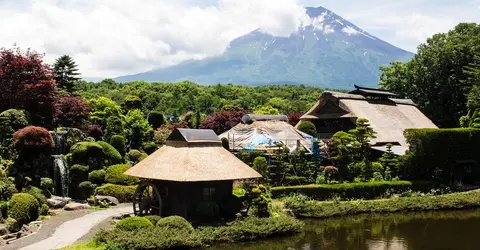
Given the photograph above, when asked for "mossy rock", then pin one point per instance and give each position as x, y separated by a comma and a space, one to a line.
97, 176
44, 209
46, 184
12, 225
23, 208
115, 174
111, 155
175, 223
149, 147
133, 223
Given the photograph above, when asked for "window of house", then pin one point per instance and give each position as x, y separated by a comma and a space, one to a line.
208, 193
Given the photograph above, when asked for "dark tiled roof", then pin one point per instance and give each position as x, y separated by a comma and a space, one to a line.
193, 135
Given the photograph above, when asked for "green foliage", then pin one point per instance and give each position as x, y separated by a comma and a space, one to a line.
38, 194
3, 210
207, 210
78, 173
12, 120
136, 156
82, 152
435, 78
66, 73
122, 193
118, 142
115, 126
175, 223
97, 176
362, 190
132, 102
138, 129
266, 110
149, 147
153, 218
12, 225
102, 109
389, 161
261, 166
115, 175
432, 149
44, 209
225, 143
160, 135
325, 209
133, 223
156, 119
308, 127
23, 208
7, 189
85, 190
110, 154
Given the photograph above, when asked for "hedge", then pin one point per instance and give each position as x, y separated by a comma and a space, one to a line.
434, 153
122, 193
360, 190
175, 223
23, 208
115, 175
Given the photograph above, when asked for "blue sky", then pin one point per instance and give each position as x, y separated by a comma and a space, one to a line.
109, 38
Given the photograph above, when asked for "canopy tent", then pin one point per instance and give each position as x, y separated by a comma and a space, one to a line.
265, 135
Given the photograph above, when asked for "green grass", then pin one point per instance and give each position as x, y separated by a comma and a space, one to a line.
85, 246
303, 207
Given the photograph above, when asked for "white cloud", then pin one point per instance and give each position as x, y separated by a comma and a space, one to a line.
115, 37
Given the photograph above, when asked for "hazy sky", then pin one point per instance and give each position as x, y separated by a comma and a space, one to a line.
109, 38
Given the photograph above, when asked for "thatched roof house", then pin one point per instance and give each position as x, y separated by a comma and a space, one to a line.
388, 116
191, 169
263, 132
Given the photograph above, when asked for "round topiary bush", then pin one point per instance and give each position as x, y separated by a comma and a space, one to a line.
308, 127
85, 190
97, 176
82, 151
118, 142
12, 225
78, 173
225, 143
122, 193
133, 223
149, 147
110, 154
208, 210
156, 119
38, 194
46, 184
136, 156
153, 218
115, 175
32, 140
175, 223
44, 209
23, 208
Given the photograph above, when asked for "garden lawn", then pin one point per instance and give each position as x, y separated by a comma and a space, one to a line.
302, 207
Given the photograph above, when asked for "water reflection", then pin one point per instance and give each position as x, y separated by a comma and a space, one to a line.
455, 230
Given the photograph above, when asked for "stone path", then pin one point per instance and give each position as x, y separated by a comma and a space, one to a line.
72, 230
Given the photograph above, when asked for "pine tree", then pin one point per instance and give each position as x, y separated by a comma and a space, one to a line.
66, 73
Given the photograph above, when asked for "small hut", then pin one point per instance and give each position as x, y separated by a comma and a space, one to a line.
191, 169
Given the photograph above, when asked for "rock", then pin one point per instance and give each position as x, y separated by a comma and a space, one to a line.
121, 216
3, 230
76, 206
57, 201
109, 199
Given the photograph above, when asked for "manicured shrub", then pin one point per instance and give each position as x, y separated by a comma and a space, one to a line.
435, 152
46, 184
225, 143
362, 190
7, 189
136, 156
12, 120
149, 147
78, 173
308, 128
85, 190
23, 208
32, 140
133, 223
12, 225
132, 102
44, 209
156, 119
114, 174
153, 218
38, 194
175, 223
261, 166
118, 142
97, 176
122, 193
208, 210
82, 151
110, 154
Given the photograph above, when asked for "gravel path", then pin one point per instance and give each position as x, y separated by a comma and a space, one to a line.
67, 229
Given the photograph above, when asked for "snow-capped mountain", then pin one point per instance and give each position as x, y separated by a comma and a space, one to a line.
330, 52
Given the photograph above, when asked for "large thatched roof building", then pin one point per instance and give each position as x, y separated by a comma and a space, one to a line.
191, 168
388, 116
264, 132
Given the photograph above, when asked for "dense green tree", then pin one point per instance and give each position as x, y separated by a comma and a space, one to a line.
137, 128
132, 102
435, 78
472, 119
115, 126
66, 73
156, 119
266, 110
102, 109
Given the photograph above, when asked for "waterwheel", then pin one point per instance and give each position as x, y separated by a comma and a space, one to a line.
147, 200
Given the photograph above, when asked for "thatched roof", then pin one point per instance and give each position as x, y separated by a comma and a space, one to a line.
196, 157
388, 117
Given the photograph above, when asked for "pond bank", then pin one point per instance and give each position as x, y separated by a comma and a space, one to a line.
303, 207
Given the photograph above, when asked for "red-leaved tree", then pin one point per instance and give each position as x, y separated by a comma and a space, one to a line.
26, 82
294, 118
32, 140
71, 111
222, 121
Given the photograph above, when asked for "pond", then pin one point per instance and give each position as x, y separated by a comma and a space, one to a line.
457, 230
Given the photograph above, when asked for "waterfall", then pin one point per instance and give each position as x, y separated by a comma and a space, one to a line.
60, 172
59, 138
